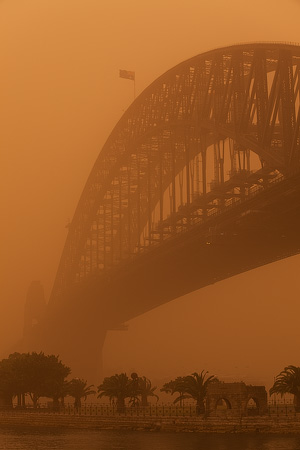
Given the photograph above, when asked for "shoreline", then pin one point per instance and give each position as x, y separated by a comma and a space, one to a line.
246, 425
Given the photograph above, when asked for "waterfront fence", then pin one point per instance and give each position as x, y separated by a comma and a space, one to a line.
159, 410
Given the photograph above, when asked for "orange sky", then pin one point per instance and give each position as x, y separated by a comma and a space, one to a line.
60, 96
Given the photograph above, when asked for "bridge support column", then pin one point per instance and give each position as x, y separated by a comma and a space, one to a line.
78, 343
83, 353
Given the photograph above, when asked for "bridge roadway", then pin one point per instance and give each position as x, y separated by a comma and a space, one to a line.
258, 231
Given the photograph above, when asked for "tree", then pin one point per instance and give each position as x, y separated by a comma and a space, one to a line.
192, 386
134, 389
173, 386
63, 392
14, 376
288, 382
37, 374
116, 387
146, 390
46, 377
79, 389
195, 387
10, 382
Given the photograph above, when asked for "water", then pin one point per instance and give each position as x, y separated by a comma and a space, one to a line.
62, 439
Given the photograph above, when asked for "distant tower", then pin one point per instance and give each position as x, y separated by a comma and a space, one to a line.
34, 307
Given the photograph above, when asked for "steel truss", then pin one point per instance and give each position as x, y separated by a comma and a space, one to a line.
209, 133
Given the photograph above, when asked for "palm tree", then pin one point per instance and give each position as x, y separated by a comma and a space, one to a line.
192, 386
288, 382
134, 389
79, 389
116, 387
195, 387
146, 390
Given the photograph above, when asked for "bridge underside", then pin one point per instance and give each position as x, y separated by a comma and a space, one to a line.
254, 233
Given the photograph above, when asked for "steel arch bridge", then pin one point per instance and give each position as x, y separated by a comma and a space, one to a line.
198, 181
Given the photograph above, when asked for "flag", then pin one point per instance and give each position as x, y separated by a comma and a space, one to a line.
127, 74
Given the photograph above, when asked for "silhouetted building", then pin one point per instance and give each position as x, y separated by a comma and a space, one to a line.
234, 399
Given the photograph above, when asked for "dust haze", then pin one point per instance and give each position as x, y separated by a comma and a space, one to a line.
60, 97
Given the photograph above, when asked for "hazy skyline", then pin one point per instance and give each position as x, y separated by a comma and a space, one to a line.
61, 96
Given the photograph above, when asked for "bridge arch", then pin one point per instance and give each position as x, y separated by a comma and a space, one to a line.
206, 135
252, 406
223, 403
